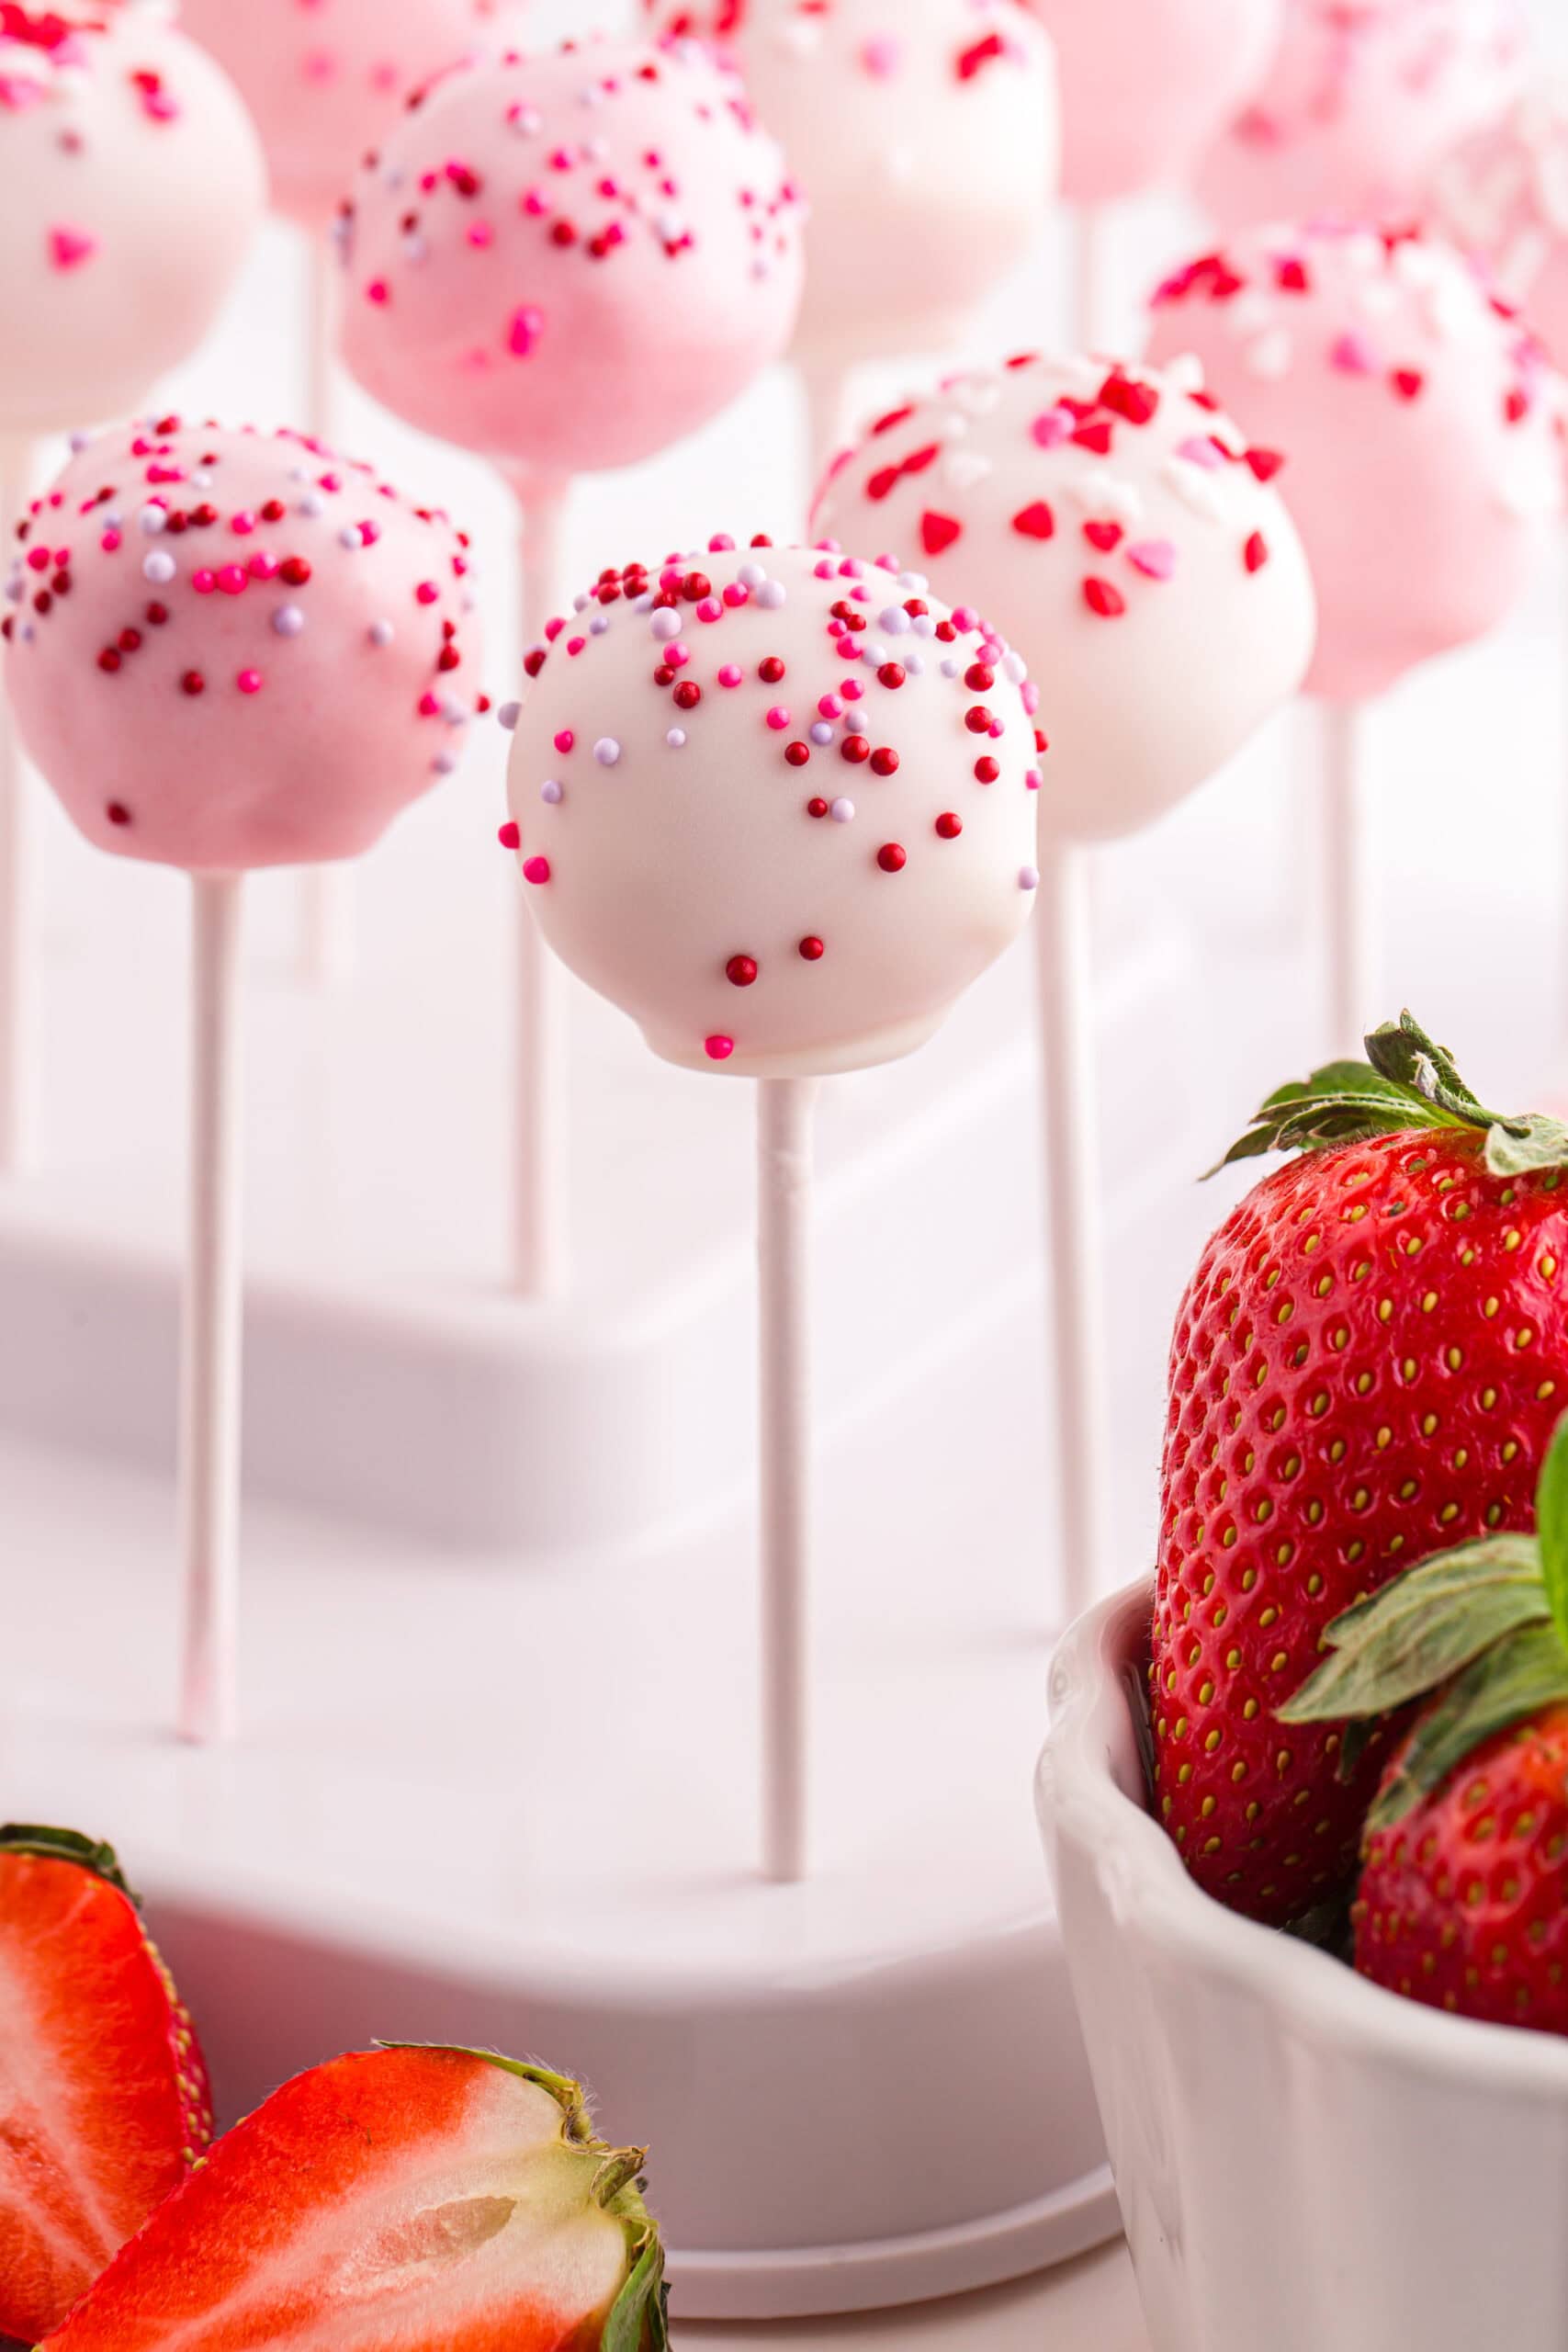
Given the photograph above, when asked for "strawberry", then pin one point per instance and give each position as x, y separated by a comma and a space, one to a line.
420, 2200
104, 2105
1463, 1898
1367, 1364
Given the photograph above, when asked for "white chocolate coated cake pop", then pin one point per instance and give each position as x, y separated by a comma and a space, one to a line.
1364, 98
229, 650
324, 78
925, 135
1125, 536
131, 183
1503, 195
568, 262
1422, 419
777, 804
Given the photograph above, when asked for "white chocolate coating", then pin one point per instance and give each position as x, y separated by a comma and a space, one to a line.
1424, 431
925, 134
568, 262
774, 805
1503, 195
1122, 535
131, 183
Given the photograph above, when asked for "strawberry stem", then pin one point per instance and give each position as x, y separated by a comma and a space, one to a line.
66, 1846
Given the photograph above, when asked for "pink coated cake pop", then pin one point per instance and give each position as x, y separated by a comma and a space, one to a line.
776, 804
925, 134
1146, 84
324, 77
229, 649
1503, 195
1423, 424
1364, 98
568, 262
1123, 532
131, 185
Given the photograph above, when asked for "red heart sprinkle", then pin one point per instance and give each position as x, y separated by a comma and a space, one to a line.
1103, 536
1035, 522
937, 531
1103, 598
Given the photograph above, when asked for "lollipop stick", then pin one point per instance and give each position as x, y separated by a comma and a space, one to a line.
328, 943
18, 963
828, 417
1351, 921
210, 1415
1091, 256
540, 1242
785, 1121
1071, 1105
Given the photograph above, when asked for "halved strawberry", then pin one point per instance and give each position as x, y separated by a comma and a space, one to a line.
104, 2104
396, 2200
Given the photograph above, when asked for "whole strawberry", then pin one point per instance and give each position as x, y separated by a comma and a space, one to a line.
1463, 1899
396, 2200
104, 2105
1366, 1366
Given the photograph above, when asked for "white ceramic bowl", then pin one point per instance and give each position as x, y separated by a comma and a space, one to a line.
1304, 2163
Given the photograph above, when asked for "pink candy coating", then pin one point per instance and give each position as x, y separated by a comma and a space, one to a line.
279, 718
1364, 98
925, 135
643, 263
1423, 428
785, 903
1147, 83
324, 78
131, 183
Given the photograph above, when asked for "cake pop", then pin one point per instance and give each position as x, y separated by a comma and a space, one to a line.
568, 262
110, 123
777, 805
324, 78
1503, 194
231, 650
1364, 98
926, 137
1122, 533
1423, 424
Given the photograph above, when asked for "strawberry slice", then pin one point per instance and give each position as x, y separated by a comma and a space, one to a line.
104, 2104
396, 2200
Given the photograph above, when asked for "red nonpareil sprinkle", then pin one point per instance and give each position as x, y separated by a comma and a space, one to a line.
891, 858
741, 971
979, 679
427, 593
1255, 555
294, 571
817, 808
109, 659
939, 531
797, 754
891, 675
1515, 406
687, 694
884, 762
718, 1049
1291, 277
1035, 522
511, 836
537, 870
812, 949
948, 826
979, 720
1103, 599
193, 683
770, 671
987, 770
856, 749
1408, 382
117, 813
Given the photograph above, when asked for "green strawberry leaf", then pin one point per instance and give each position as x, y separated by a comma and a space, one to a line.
1412, 1637
1551, 1527
639, 2317
1407, 1084
1514, 1679
67, 1845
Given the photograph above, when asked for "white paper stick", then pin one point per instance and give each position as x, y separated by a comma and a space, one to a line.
827, 390
1077, 1370
329, 895
541, 1244
19, 909
786, 1108
1092, 330
210, 1414
1350, 920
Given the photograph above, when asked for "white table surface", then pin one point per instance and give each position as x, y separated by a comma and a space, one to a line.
1086, 2306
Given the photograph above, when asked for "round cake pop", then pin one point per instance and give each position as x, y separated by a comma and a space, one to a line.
230, 649
1123, 534
1146, 84
132, 183
324, 77
1365, 97
1503, 195
1422, 422
778, 805
925, 135
568, 262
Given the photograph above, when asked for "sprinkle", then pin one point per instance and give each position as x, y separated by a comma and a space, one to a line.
741, 971
1103, 599
288, 620
812, 950
731, 674
536, 869
1029, 877
676, 738
949, 827
892, 858
249, 681
1255, 555
778, 718
70, 248
718, 1049
1353, 355
552, 792
510, 836
1155, 559
1035, 522
607, 752
937, 531
1408, 382
427, 593
843, 812
159, 568
1053, 428
508, 715
565, 741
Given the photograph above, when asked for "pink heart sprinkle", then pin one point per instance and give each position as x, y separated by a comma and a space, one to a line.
527, 326
1354, 355
1155, 559
881, 56
1052, 428
1200, 452
69, 248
